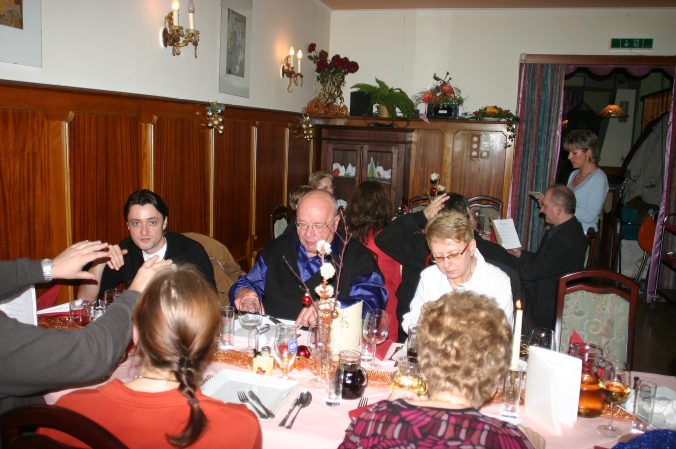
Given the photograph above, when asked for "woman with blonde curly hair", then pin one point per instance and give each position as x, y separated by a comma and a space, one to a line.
464, 349
176, 321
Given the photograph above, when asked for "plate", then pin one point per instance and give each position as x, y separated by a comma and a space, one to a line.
272, 391
663, 398
244, 333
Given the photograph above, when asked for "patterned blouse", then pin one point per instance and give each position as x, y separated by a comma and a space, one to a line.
400, 425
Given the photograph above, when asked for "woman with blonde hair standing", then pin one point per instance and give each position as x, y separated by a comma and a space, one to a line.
175, 325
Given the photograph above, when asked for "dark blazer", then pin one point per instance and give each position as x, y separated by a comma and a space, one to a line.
561, 251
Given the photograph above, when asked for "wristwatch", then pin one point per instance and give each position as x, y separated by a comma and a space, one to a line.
47, 265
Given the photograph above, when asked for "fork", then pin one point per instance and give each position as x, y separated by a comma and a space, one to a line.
244, 399
395, 352
363, 402
206, 379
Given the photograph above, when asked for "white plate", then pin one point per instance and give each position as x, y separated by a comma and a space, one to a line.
272, 391
244, 333
663, 398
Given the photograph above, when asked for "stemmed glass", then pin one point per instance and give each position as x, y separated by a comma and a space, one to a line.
249, 316
375, 329
615, 381
543, 338
284, 348
319, 335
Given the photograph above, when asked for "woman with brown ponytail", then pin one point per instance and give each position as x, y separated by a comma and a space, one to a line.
175, 325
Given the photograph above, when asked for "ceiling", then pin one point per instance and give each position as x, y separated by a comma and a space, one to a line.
494, 4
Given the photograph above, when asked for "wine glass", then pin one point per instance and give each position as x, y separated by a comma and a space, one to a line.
284, 348
614, 382
542, 337
249, 316
375, 329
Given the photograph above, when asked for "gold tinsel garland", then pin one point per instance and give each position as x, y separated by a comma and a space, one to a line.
315, 107
57, 322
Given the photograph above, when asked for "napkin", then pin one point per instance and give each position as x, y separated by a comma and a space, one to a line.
48, 298
575, 338
61, 309
354, 414
383, 349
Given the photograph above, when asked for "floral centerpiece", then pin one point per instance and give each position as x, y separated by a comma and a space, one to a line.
496, 113
331, 75
441, 96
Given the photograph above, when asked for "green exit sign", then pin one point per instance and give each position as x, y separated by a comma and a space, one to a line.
630, 43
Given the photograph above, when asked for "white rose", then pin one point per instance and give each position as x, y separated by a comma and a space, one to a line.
441, 188
327, 270
434, 177
324, 290
323, 248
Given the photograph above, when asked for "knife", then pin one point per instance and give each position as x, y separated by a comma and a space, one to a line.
253, 396
286, 417
273, 319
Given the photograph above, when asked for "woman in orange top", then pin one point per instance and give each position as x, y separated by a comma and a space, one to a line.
175, 325
368, 212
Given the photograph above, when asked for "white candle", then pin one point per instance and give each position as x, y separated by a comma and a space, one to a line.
300, 56
191, 14
175, 7
516, 342
292, 53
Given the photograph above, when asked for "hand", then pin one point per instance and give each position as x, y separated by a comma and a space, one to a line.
515, 251
535, 439
307, 317
539, 199
435, 206
401, 393
147, 272
248, 293
116, 257
68, 264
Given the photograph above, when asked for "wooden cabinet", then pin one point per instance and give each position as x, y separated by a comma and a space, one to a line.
354, 148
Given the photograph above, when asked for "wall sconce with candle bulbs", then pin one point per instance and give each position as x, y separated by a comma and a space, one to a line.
173, 33
288, 70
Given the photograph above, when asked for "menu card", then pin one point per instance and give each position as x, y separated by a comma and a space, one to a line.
552, 388
505, 233
22, 306
346, 329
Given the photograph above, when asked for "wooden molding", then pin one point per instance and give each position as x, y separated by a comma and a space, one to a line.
657, 61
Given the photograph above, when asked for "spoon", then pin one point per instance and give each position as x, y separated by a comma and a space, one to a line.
286, 417
303, 401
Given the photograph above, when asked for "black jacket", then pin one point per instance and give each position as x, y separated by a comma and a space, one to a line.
180, 249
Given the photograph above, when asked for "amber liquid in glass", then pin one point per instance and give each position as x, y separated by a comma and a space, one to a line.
591, 402
415, 384
614, 391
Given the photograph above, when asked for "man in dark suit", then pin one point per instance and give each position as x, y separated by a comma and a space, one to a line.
561, 251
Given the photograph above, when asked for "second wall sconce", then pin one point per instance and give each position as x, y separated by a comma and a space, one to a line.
288, 70
173, 33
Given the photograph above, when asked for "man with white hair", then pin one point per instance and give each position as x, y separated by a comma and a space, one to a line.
291, 262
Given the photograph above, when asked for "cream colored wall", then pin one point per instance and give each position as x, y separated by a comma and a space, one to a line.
116, 46
480, 48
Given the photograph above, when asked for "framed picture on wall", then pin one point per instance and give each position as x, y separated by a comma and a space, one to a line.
235, 55
21, 32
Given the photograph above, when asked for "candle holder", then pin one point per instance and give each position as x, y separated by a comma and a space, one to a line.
287, 71
172, 35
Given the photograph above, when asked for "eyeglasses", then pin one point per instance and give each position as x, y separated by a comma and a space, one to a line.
317, 226
456, 256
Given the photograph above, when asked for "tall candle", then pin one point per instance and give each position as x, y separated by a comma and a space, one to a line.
292, 53
300, 56
175, 7
516, 341
191, 14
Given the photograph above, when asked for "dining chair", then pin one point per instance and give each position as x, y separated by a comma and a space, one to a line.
52, 417
591, 249
418, 203
226, 268
279, 218
485, 204
601, 306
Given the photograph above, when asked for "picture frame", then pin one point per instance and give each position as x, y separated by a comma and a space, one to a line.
235, 53
23, 46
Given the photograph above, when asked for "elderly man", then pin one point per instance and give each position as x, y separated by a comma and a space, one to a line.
561, 251
36, 359
289, 265
147, 219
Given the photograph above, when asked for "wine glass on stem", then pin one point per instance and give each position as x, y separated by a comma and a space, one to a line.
285, 347
375, 329
615, 387
249, 316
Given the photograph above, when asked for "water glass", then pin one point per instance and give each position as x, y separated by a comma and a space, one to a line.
334, 382
111, 295
409, 377
96, 308
511, 393
79, 312
644, 405
227, 331
368, 350
543, 338
412, 346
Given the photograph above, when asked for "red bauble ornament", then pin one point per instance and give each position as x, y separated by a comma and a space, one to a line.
307, 300
433, 190
304, 351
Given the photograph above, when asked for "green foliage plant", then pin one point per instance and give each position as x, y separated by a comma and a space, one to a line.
390, 97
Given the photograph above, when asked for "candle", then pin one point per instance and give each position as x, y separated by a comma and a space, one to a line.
175, 7
292, 53
191, 14
516, 342
300, 56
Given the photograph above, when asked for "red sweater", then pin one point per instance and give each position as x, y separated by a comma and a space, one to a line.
391, 270
142, 420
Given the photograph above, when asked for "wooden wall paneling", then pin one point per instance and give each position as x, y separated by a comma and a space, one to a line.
270, 167
473, 176
105, 167
427, 153
300, 153
181, 172
232, 193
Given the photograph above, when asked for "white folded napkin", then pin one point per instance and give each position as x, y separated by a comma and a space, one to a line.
61, 308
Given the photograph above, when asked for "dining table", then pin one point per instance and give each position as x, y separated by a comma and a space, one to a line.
320, 426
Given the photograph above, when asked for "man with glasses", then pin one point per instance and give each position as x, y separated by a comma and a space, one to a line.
561, 251
458, 266
289, 266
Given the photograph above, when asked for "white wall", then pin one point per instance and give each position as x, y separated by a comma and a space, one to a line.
617, 143
116, 46
480, 48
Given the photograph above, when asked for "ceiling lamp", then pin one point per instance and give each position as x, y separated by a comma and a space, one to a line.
613, 110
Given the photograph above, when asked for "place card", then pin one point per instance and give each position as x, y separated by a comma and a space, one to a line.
552, 388
346, 328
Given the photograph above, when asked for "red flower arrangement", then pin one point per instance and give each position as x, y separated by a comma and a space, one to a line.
331, 74
441, 93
